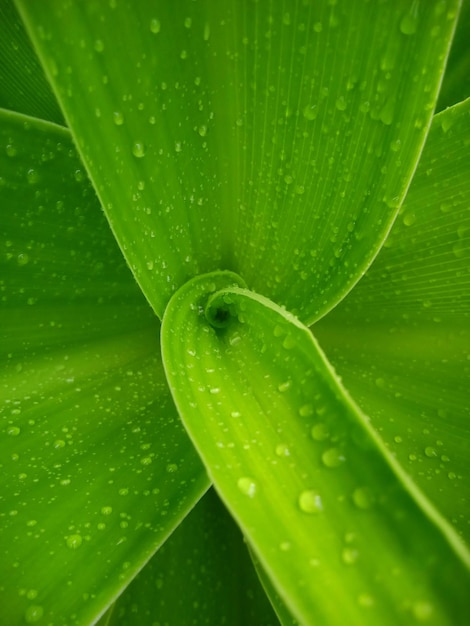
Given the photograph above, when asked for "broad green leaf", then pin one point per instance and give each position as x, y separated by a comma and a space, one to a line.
273, 139
456, 83
201, 575
283, 613
401, 340
95, 468
340, 529
23, 85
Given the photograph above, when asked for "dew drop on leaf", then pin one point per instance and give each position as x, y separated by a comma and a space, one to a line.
138, 149
73, 541
349, 555
333, 457
320, 432
362, 498
247, 486
310, 502
155, 26
33, 614
118, 118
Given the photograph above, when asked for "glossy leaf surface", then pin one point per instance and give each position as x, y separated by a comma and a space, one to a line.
342, 532
96, 469
264, 137
401, 340
201, 575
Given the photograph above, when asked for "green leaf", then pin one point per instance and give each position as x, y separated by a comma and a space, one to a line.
273, 139
401, 340
23, 85
95, 468
456, 83
201, 575
338, 526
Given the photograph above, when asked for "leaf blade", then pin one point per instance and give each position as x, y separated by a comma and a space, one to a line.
274, 428
401, 340
238, 171
96, 469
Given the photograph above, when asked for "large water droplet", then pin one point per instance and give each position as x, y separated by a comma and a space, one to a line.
310, 112
155, 26
422, 610
409, 21
310, 502
118, 118
333, 457
320, 432
13, 431
362, 498
73, 541
138, 149
33, 613
247, 486
349, 555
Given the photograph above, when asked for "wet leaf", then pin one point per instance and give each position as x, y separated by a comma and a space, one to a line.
264, 138
95, 468
401, 340
336, 523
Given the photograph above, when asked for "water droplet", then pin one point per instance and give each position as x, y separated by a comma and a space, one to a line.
22, 259
310, 502
318, 27
430, 452
138, 149
106, 510
409, 219
118, 118
284, 386
202, 130
11, 150
409, 21
422, 610
31, 594
333, 457
341, 103
13, 431
285, 546
99, 45
282, 450
363, 498
365, 600
188, 22
310, 112
32, 176
349, 555
73, 541
178, 146
247, 486
306, 410
289, 342
386, 114
33, 613
171, 468
320, 432
207, 32
59, 443
155, 26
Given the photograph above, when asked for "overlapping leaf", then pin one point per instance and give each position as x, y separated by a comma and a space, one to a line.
342, 532
261, 137
95, 468
401, 340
